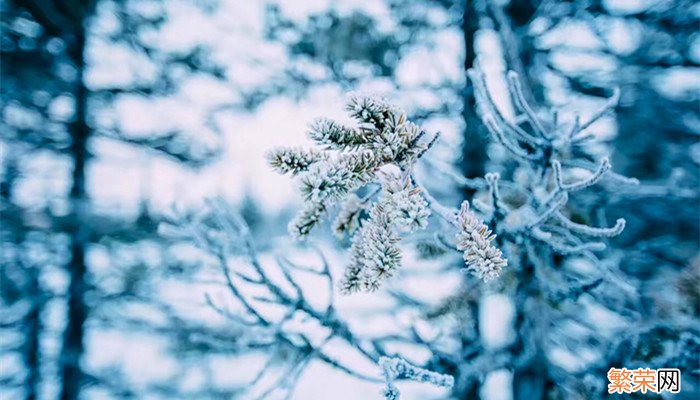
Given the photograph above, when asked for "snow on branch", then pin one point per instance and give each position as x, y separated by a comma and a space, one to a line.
542, 147
591, 231
592, 180
395, 368
256, 290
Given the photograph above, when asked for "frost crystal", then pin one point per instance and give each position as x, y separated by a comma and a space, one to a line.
294, 160
409, 209
379, 250
334, 135
309, 216
348, 219
372, 111
474, 239
374, 255
326, 182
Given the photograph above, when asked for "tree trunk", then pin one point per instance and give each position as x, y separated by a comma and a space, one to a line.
474, 143
529, 379
32, 351
73, 346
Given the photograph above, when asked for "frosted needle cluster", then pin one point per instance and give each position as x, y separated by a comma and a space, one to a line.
474, 238
375, 158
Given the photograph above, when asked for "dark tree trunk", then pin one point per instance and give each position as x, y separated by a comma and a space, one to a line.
530, 377
518, 48
474, 157
32, 351
73, 346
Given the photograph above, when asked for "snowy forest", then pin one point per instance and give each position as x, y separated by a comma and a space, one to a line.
351, 199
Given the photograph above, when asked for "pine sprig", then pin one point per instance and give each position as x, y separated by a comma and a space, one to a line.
347, 159
348, 219
329, 133
305, 220
375, 255
294, 160
474, 238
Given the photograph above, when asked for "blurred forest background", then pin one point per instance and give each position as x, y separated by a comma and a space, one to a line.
119, 114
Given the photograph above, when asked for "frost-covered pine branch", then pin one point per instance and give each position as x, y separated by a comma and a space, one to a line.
306, 219
375, 255
381, 151
474, 238
294, 160
334, 135
348, 219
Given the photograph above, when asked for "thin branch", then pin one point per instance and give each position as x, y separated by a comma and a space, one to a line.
591, 231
